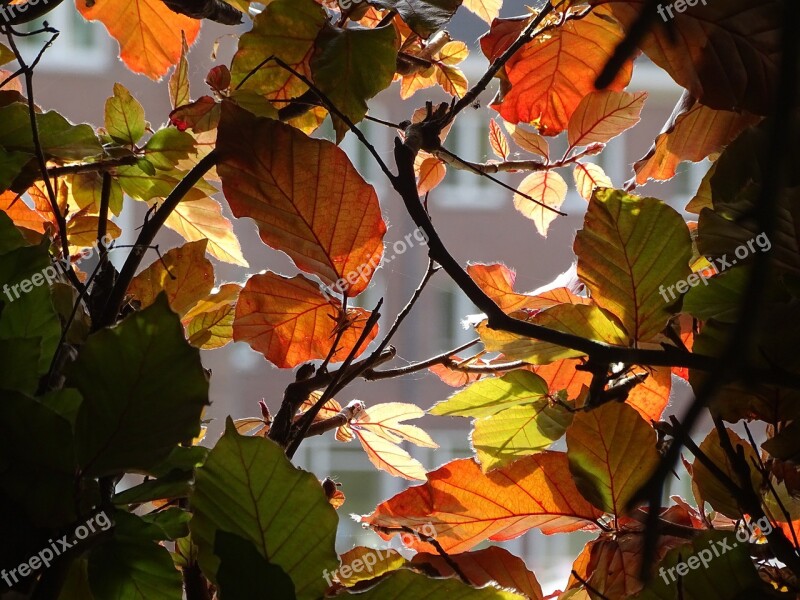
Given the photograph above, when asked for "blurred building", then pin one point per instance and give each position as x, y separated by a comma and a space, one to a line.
474, 216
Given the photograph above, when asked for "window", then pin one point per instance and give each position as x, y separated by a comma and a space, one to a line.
81, 46
454, 307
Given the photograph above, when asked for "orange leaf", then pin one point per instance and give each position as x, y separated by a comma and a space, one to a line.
19, 212
149, 33
551, 74
528, 140
588, 177
549, 188
600, 447
602, 116
483, 566
466, 506
497, 281
498, 140
430, 173
501, 35
185, 274
562, 375
454, 377
693, 132
305, 195
651, 397
289, 321
485, 9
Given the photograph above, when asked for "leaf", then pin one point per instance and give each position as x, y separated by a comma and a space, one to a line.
585, 320
589, 177
283, 180
289, 321
488, 10
209, 323
379, 429
497, 281
708, 487
149, 34
424, 17
712, 52
550, 75
491, 396
59, 138
82, 231
124, 117
353, 65
452, 80
728, 573
612, 452
128, 395
377, 563
257, 473
602, 116
135, 570
549, 188
179, 93
528, 140
404, 584
498, 141
629, 249
242, 569
693, 132
175, 485
200, 116
167, 147
484, 566
11, 165
184, 273
19, 212
466, 506
203, 219
563, 375
431, 173
651, 397
286, 29
454, 377
87, 188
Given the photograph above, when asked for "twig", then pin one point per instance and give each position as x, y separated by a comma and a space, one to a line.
340, 329
372, 375
585, 584
100, 165
102, 224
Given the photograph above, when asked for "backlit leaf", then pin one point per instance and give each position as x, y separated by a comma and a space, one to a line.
487, 10
628, 249
602, 116
209, 323
124, 117
305, 196
425, 17
203, 219
588, 177
184, 273
528, 140
179, 80
551, 74
491, 396
612, 452
280, 509
149, 33
404, 584
692, 133
289, 320
547, 187
466, 506
498, 141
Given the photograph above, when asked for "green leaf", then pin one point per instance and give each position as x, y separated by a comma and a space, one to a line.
19, 359
87, 190
585, 320
179, 80
720, 297
490, 396
425, 17
246, 575
351, 66
133, 570
28, 312
36, 443
282, 510
629, 250
10, 237
6, 55
124, 117
11, 165
402, 585
286, 29
171, 486
611, 451
76, 584
727, 572
59, 138
138, 184
140, 380
167, 147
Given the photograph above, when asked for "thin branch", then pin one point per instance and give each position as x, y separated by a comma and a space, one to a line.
148, 234
585, 584
102, 224
87, 167
340, 329
372, 375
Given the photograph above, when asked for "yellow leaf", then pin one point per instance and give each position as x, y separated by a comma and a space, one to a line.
547, 187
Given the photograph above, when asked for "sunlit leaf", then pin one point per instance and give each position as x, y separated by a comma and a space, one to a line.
289, 320
149, 33
466, 506
588, 177
284, 180
179, 80
498, 141
528, 140
485, 9
203, 219
612, 452
124, 117
548, 188
629, 249
425, 17
209, 323
602, 116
